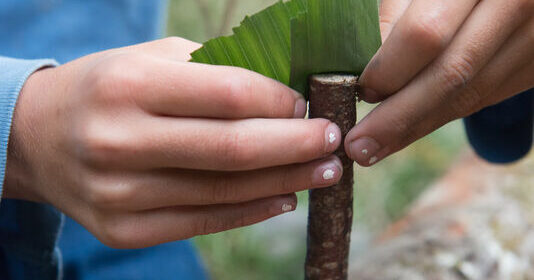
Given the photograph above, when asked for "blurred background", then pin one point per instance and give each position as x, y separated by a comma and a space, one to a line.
276, 249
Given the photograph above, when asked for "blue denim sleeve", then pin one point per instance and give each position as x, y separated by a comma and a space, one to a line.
28, 231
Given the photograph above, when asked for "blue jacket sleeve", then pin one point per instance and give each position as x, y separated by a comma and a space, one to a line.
503, 133
28, 231
13, 75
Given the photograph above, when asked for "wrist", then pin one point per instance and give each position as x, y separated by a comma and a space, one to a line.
19, 173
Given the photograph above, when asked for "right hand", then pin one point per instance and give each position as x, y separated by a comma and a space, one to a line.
142, 147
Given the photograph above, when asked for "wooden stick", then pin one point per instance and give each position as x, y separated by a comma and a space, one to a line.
332, 96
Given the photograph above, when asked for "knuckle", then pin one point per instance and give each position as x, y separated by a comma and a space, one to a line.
117, 233
210, 224
214, 223
283, 104
467, 102
223, 191
234, 91
234, 148
387, 19
426, 31
285, 181
100, 145
457, 73
116, 77
110, 195
239, 220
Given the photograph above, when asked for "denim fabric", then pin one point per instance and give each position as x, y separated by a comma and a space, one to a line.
28, 232
64, 30
91, 260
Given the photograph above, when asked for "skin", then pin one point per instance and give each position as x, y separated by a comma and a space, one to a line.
441, 61
142, 147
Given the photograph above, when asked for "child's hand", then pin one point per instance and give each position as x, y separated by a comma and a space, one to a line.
142, 147
441, 60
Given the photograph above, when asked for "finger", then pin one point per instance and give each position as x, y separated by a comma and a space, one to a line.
197, 90
177, 223
519, 82
481, 58
421, 34
510, 72
432, 99
521, 79
166, 188
210, 144
173, 48
390, 13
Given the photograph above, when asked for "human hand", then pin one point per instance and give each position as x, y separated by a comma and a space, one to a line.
142, 147
440, 61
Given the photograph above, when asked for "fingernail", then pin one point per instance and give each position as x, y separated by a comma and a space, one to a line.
286, 207
364, 150
289, 204
333, 137
300, 108
328, 172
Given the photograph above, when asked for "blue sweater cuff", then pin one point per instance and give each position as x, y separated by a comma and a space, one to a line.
503, 133
13, 75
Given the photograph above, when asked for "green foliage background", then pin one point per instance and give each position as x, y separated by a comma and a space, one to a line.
276, 250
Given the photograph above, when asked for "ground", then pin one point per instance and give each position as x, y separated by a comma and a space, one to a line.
475, 223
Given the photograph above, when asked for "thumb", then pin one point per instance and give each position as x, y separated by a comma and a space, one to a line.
394, 124
390, 12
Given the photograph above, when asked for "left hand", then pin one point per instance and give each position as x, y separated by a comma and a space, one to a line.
441, 60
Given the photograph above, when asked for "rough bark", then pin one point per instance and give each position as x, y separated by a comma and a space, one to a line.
333, 97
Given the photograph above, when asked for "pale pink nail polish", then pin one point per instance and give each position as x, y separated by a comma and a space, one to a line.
328, 172
364, 150
332, 137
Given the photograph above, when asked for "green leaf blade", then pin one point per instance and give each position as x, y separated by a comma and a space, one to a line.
333, 36
262, 43
291, 40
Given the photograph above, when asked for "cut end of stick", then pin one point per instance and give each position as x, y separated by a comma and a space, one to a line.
336, 79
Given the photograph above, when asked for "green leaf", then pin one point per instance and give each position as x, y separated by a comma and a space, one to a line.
333, 36
291, 40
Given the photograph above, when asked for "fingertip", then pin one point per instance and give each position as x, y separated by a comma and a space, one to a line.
370, 96
370, 87
337, 162
277, 99
333, 137
285, 204
327, 172
364, 150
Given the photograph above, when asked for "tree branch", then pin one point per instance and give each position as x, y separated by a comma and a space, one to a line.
332, 97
